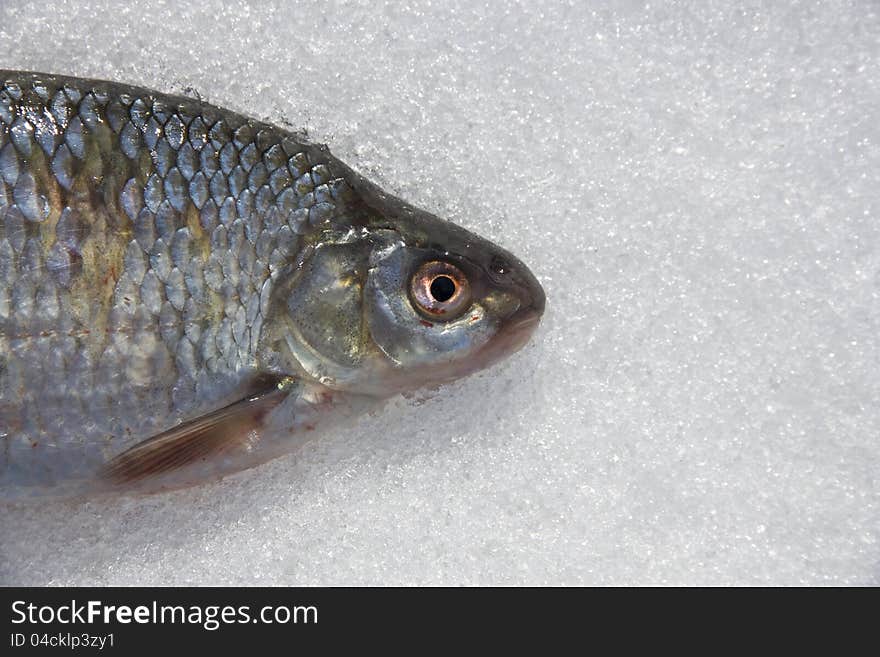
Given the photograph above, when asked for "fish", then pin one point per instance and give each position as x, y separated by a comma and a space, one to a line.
186, 292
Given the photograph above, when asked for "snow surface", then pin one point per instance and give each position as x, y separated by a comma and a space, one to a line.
697, 186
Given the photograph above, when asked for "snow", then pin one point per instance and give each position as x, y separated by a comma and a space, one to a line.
697, 186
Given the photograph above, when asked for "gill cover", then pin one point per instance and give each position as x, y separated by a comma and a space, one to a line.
316, 324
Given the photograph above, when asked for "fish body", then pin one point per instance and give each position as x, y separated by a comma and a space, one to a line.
186, 292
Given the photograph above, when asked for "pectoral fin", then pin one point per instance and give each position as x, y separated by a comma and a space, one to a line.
233, 427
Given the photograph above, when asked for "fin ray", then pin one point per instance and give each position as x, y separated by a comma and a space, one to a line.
232, 427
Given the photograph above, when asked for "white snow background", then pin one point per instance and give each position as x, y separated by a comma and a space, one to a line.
697, 186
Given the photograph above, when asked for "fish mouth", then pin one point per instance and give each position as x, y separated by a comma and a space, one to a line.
513, 336
518, 327
516, 334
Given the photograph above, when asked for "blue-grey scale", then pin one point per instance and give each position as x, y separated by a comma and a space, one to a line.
186, 292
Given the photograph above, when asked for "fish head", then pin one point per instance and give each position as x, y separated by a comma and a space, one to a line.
400, 300
445, 303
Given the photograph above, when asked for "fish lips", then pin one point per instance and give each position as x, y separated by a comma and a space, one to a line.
517, 328
513, 335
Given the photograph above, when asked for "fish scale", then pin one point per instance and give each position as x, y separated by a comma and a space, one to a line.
175, 217
186, 292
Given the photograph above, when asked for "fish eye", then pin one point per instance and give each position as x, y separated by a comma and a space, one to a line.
440, 290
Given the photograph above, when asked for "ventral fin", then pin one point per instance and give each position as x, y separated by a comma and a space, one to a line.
233, 427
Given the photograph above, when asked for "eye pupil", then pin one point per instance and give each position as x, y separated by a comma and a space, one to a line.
442, 288
439, 291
